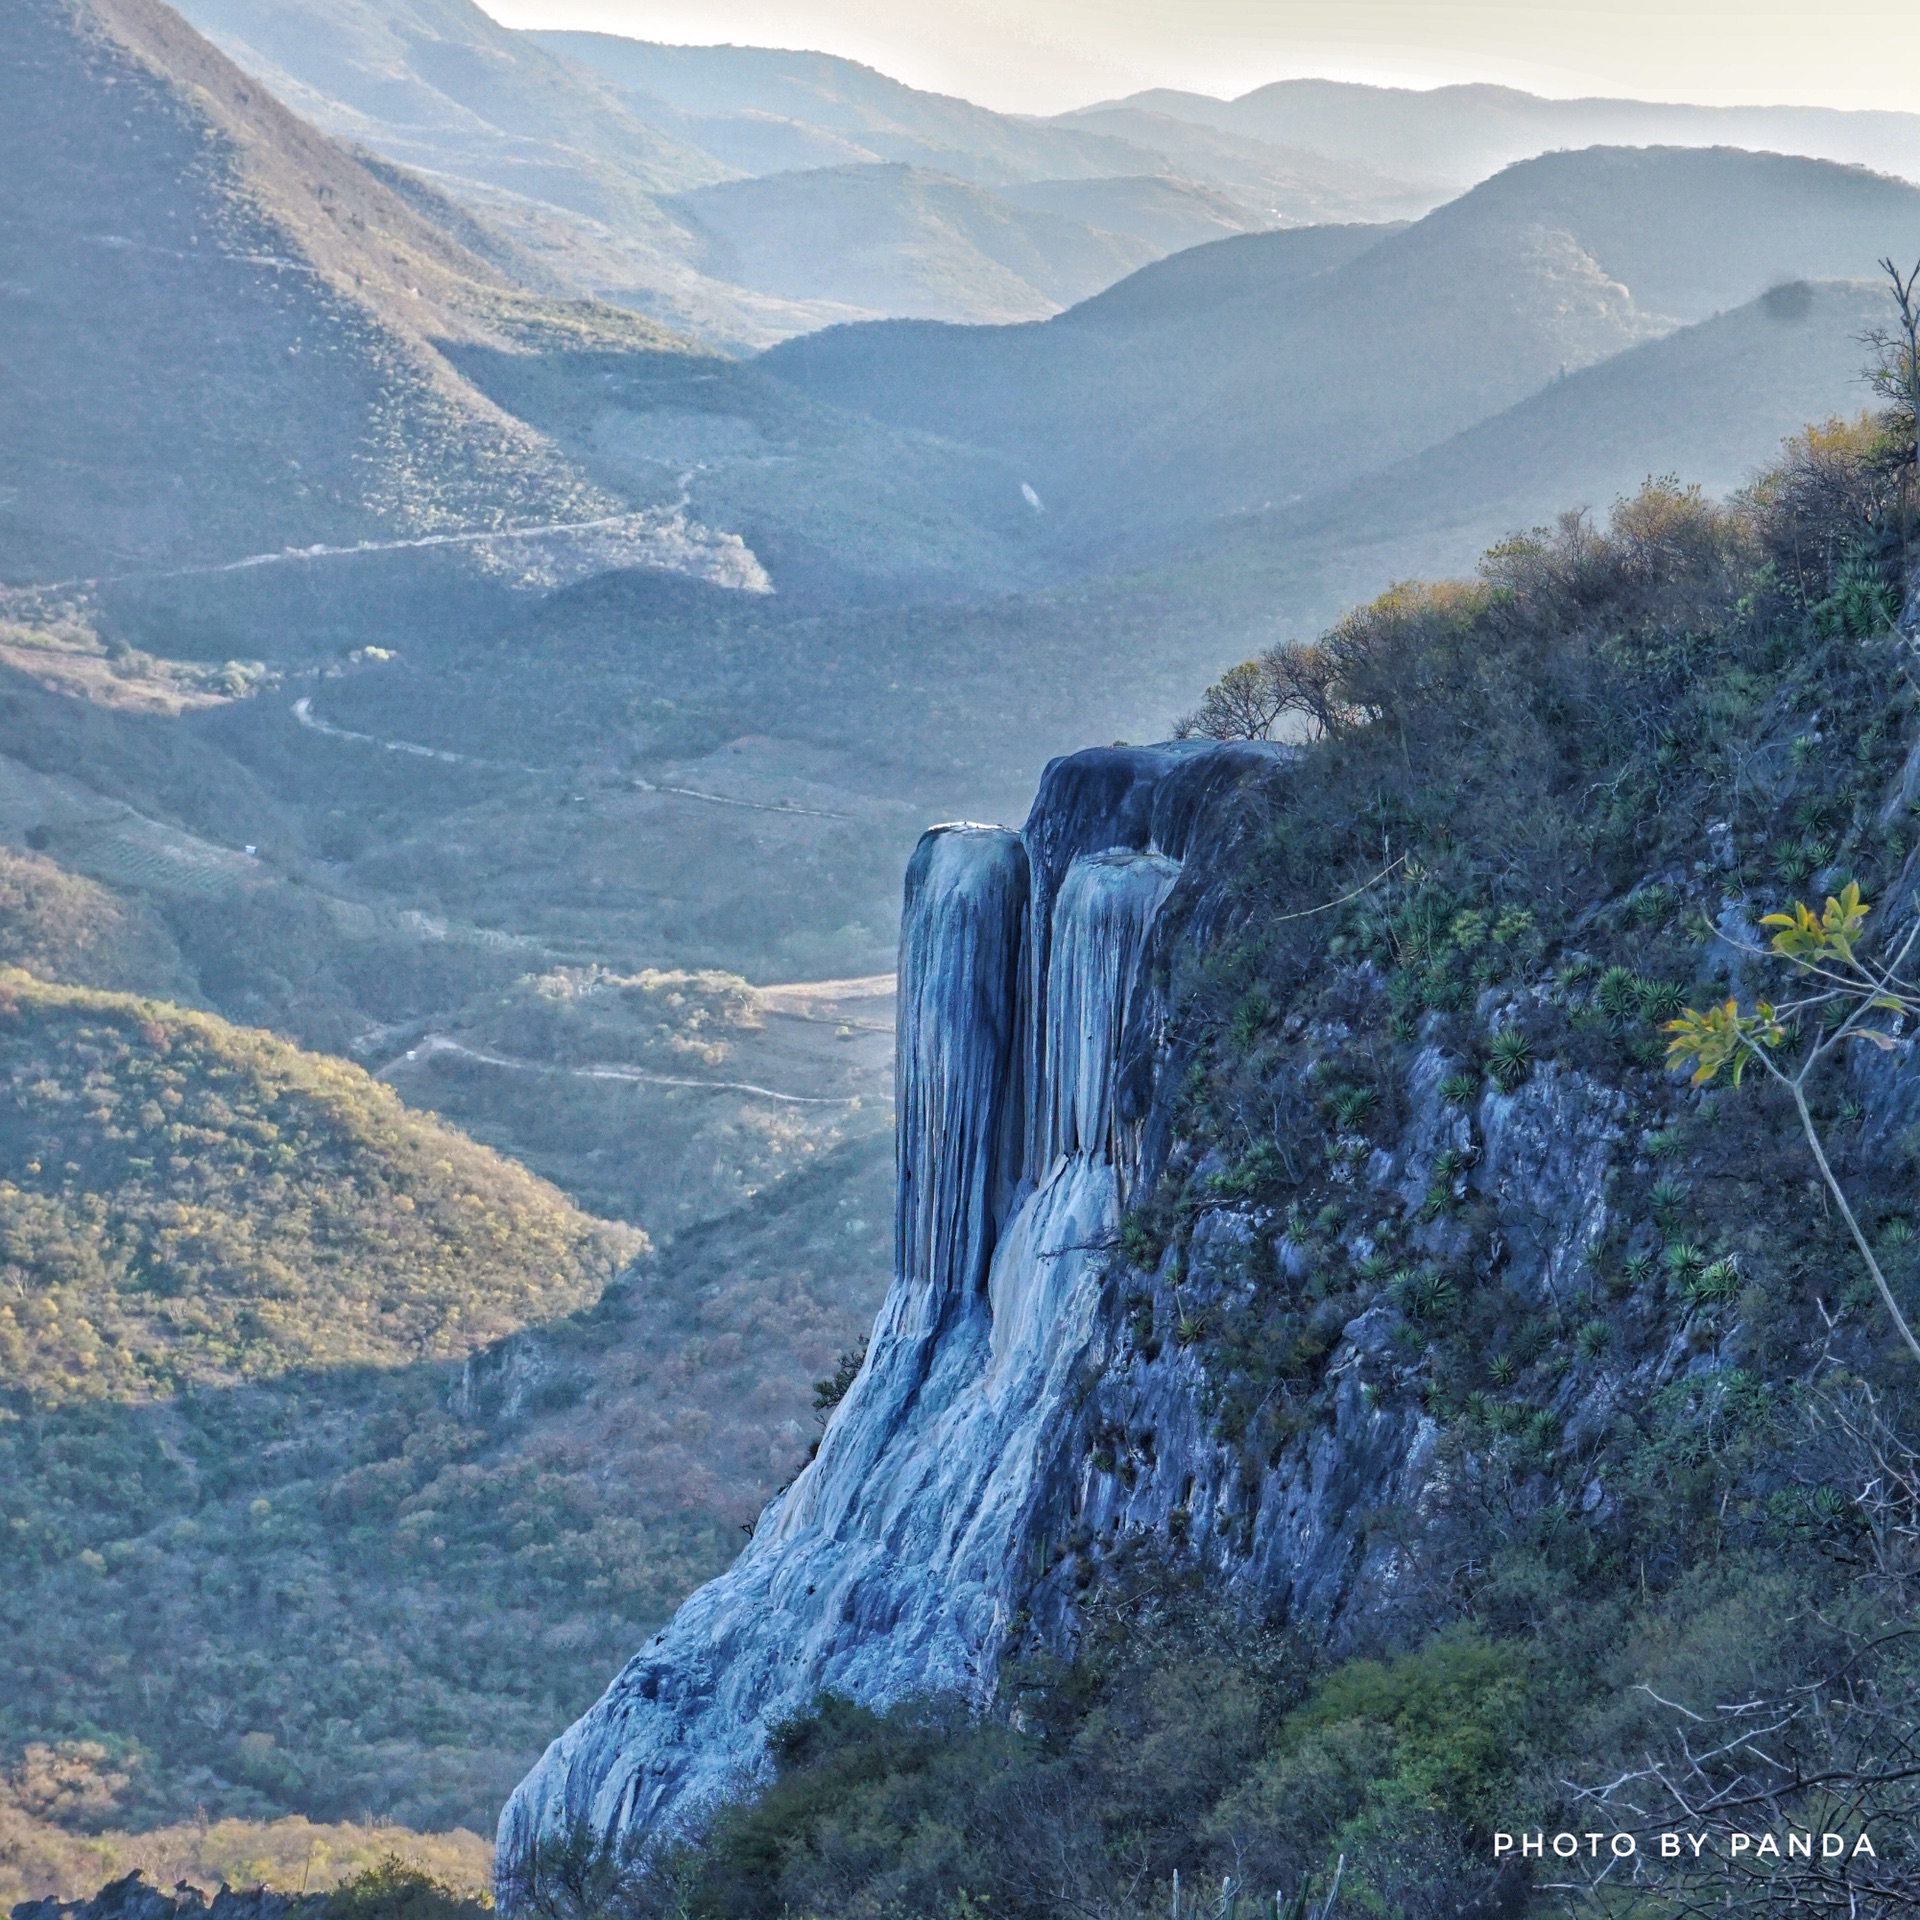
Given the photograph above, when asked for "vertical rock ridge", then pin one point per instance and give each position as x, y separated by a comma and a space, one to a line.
1105, 907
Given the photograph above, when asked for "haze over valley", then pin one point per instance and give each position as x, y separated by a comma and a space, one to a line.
507, 540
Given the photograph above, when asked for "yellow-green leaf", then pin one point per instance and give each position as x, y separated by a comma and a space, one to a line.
1805, 939
1721, 1036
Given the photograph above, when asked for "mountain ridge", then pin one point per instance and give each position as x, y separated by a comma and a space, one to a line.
1452, 136
168, 206
1282, 383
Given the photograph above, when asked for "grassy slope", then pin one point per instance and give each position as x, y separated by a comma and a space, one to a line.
444, 77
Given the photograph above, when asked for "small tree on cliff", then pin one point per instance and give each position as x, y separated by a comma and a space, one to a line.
1248, 701
1896, 376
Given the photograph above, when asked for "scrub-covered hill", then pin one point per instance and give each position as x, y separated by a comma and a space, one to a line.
163, 211
190, 1204
337, 1452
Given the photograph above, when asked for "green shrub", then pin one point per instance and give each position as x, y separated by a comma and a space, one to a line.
391, 1889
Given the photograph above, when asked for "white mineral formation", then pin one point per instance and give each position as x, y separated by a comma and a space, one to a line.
892, 1565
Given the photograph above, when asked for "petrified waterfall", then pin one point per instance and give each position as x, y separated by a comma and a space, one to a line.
894, 1563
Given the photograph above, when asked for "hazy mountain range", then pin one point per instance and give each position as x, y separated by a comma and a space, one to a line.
1449, 137
622, 165
356, 354
1254, 373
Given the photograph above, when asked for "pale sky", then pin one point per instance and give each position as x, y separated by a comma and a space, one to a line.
1042, 56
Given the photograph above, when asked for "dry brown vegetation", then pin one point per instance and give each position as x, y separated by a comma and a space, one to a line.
39, 1856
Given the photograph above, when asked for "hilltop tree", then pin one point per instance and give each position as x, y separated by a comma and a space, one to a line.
1249, 701
1896, 376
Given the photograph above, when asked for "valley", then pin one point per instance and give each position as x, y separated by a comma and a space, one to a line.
603, 504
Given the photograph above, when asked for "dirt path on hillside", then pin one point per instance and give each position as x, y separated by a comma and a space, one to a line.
611, 1070
304, 713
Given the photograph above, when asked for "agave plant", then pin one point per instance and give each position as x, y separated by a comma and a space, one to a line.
1424, 1293
1794, 864
1649, 905
1459, 1089
1618, 994
1594, 1339
1666, 1197
1509, 1058
1830, 1507
1503, 1370
1661, 999
1685, 1261
1715, 1284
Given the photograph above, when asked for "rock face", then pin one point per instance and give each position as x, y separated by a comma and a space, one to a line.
1032, 1407
1323, 1532
897, 1561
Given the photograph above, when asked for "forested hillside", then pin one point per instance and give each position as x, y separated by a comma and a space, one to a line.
339, 1454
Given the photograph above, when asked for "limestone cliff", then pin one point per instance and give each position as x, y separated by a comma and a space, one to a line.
1020, 1423
901, 1558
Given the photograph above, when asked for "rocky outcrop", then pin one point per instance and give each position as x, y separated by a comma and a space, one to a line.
900, 1559
1036, 1403
1324, 1530
135, 1898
